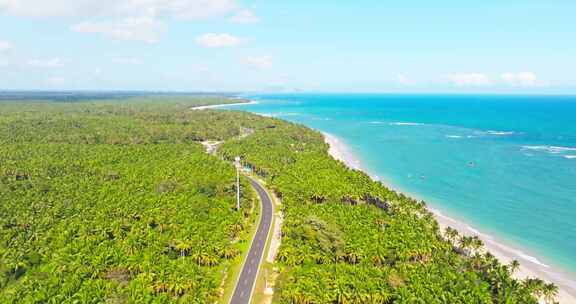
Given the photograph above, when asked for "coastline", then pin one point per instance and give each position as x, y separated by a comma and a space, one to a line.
529, 265
248, 102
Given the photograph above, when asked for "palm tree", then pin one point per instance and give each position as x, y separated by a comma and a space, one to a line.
465, 242
352, 257
477, 261
513, 266
183, 247
476, 244
451, 234
550, 292
535, 286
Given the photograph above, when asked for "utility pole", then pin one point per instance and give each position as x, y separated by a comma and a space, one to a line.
237, 163
265, 279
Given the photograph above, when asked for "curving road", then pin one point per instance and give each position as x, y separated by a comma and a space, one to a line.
247, 280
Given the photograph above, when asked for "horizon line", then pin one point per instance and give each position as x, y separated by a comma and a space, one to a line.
242, 92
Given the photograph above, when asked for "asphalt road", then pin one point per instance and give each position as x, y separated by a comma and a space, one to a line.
245, 285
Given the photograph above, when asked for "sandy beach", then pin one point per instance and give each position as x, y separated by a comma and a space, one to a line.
530, 266
223, 105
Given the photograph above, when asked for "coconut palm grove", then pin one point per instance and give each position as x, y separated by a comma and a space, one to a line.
115, 200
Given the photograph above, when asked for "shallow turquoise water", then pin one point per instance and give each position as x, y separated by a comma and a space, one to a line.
505, 164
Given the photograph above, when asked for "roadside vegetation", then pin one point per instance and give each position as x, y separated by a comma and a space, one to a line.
116, 201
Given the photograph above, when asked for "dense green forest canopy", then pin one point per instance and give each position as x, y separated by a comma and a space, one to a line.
116, 201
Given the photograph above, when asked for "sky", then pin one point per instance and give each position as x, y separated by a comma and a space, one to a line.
509, 46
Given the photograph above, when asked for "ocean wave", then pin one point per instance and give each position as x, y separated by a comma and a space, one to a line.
570, 156
287, 114
279, 114
510, 251
500, 133
376, 122
454, 136
526, 257
474, 231
550, 149
406, 124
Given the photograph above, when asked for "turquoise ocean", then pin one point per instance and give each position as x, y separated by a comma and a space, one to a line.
504, 164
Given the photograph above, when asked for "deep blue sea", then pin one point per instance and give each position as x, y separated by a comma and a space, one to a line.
504, 164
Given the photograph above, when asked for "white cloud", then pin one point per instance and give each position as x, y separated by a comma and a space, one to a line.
128, 60
136, 20
470, 79
213, 40
259, 62
404, 80
197, 9
245, 17
144, 29
520, 79
5, 45
52, 8
182, 9
46, 63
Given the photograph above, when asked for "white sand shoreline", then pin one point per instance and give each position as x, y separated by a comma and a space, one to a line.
530, 265
224, 105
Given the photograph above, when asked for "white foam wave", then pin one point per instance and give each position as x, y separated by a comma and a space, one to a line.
570, 156
376, 122
287, 114
527, 257
278, 114
406, 124
454, 136
474, 231
501, 133
550, 149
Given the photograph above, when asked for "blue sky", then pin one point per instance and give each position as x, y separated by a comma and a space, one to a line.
516, 46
